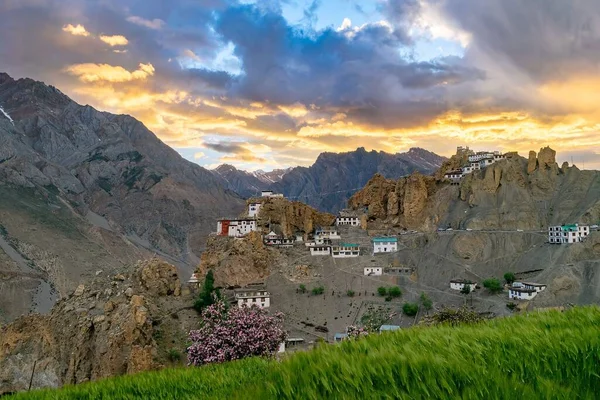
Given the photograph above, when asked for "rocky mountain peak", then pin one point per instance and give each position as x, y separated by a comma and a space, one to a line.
4, 77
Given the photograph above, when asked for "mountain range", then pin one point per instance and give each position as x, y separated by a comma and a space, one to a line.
83, 191
333, 178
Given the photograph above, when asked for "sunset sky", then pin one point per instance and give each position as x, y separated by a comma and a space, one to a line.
273, 83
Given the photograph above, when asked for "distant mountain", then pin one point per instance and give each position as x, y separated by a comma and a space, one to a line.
247, 184
83, 190
334, 177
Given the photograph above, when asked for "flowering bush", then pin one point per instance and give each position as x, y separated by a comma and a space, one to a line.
230, 335
356, 332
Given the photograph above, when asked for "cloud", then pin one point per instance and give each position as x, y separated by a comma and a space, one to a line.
199, 155
116, 40
90, 73
77, 30
152, 24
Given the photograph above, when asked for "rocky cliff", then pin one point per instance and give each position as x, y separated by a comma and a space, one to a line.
247, 184
114, 325
510, 194
290, 217
101, 184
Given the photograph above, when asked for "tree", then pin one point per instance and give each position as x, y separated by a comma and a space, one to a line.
509, 277
350, 293
493, 285
395, 291
208, 294
466, 289
318, 290
226, 335
426, 302
410, 309
381, 291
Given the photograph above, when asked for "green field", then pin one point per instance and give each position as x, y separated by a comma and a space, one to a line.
549, 355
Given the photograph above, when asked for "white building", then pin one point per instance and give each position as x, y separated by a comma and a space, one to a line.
385, 245
329, 233
321, 250
373, 271
482, 159
568, 233
520, 293
236, 227
538, 287
345, 250
273, 239
269, 193
253, 297
194, 279
253, 209
454, 176
352, 221
459, 284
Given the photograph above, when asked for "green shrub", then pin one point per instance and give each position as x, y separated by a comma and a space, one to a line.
388, 298
174, 355
350, 293
395, 291
410, 309
511, 306
426, 301
302, 288
318, 290
509, 277
493, 285
381, 291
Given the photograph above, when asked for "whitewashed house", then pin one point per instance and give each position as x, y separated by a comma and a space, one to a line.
573, 233
538, 287
194, 280
521, 293
269, 193
253, 297
454, 176
236, 227
329, 233
253, 209
385, 245
345, 250
352, 221
373, 271
459, 284
273, 239
320, 250
481, 159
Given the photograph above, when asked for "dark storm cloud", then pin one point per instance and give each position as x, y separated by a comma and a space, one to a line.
547, 39
227, 147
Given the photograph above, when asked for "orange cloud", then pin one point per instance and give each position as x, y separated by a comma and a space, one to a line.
77, 30
103, 72
115, 40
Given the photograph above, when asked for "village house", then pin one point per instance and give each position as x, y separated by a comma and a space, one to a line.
373, 271
385, 245
194, 280
319, 241
454, 176
352, 221
538, 287
320, 250
520, 293
252, 297
253, 209
236, 227
273, 239
269, 193
329, 233
573, 233
459, 284
345, 250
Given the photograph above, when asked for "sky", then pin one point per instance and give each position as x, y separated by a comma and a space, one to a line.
265, 84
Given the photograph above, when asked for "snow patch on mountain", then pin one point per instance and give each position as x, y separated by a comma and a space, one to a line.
7, 116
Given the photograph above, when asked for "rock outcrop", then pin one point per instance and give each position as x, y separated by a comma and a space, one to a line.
111, 326
290, 217
237, 261
514, 193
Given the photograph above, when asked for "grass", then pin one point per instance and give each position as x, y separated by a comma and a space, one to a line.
548, 355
